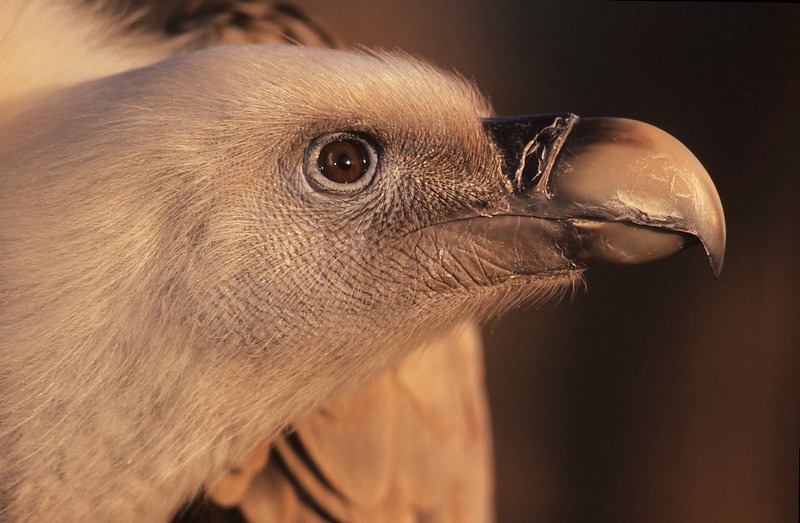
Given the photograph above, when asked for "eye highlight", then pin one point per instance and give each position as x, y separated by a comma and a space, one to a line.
342, 162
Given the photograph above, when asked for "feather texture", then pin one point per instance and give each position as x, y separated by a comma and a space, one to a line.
246, 277
133, 322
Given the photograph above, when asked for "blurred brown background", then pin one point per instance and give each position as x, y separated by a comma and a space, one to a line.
661, 394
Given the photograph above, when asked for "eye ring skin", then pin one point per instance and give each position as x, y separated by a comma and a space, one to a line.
319, 182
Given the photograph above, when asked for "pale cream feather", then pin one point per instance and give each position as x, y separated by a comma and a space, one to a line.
154, 337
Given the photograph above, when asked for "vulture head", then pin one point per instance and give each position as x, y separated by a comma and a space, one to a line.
198, 251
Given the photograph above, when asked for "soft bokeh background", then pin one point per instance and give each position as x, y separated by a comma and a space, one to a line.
661, 394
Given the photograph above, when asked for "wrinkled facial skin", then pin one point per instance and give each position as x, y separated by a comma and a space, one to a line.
364, 255
344, 262
226, 243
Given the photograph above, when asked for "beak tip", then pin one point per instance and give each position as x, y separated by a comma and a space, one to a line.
716, 257
714, 235
716, 265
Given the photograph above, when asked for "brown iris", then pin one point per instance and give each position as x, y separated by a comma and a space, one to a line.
343, 161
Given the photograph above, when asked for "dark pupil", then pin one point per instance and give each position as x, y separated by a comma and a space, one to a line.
343, 162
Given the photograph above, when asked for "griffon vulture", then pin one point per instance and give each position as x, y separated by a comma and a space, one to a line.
250, 274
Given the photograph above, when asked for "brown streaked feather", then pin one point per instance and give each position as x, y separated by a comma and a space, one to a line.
218, 22
412, 445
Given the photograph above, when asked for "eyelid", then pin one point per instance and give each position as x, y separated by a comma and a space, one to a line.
320, 183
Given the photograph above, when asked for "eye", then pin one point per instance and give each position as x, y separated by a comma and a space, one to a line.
341, 162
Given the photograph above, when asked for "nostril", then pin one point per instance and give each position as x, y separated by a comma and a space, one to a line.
529, 145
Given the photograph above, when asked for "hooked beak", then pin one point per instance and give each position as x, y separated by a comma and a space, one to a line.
631, 192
